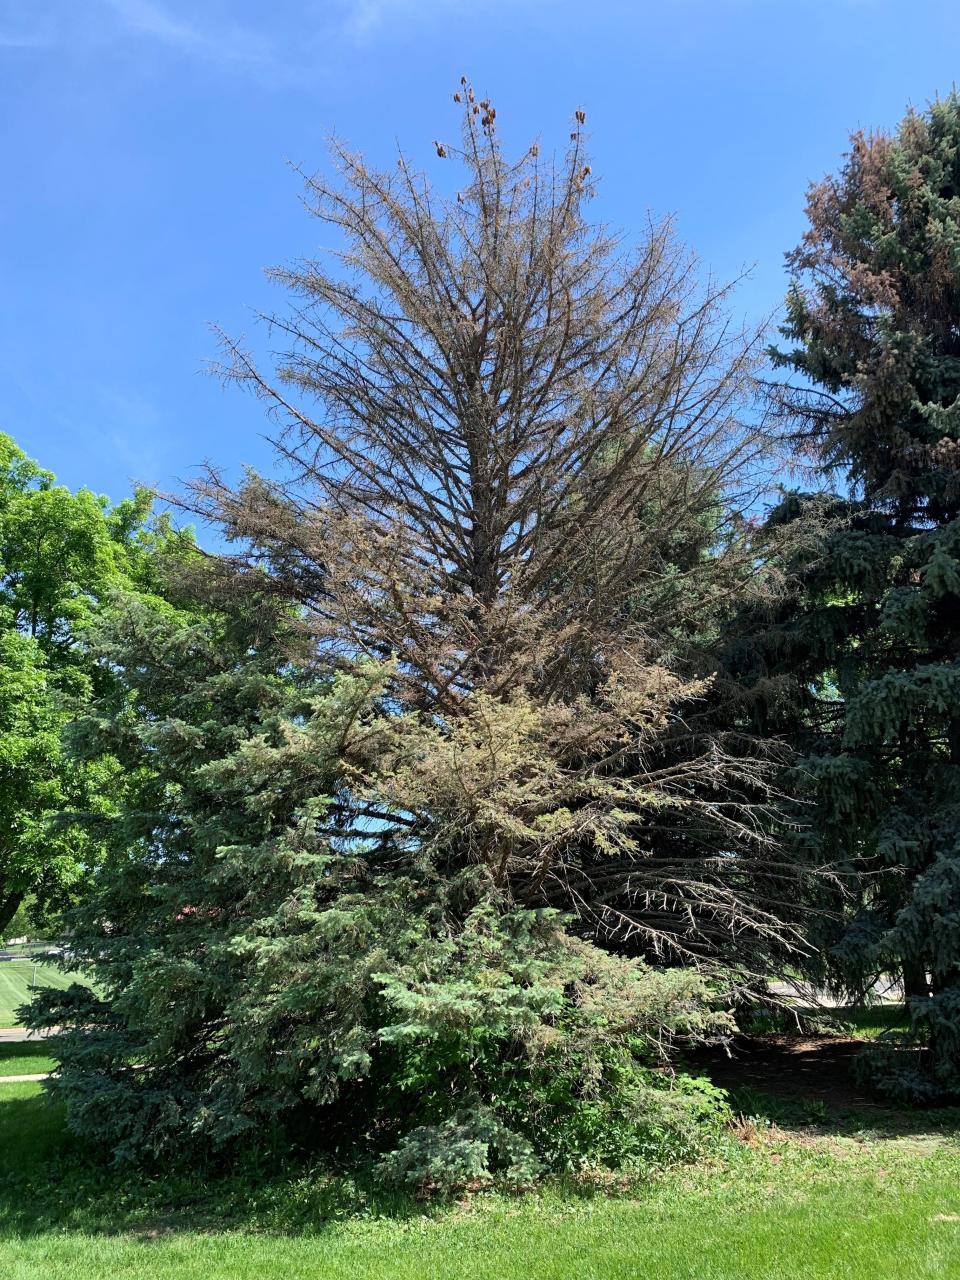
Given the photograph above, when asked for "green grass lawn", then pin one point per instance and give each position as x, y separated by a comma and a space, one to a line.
873, 1020
864, 1022
25, 1060
835, 1203
16, 977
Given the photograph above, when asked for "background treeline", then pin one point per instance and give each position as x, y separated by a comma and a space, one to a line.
523, 731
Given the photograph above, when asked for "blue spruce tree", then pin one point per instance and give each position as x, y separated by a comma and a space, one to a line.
874, 398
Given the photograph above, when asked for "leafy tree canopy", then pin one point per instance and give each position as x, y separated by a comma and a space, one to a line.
61, 556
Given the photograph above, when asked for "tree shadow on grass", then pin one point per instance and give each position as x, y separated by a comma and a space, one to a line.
810, 1082
51, 1181
23, 1049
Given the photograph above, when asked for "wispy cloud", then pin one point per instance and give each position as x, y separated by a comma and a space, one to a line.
291, 41
334, 20
359, 19
23, 29
211, 40
201, 31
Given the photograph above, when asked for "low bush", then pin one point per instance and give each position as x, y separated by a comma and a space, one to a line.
501, 1048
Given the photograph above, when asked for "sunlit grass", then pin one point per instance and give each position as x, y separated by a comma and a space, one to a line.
838, 1206
25, 1059
871, 1021
16, 985
864, 1022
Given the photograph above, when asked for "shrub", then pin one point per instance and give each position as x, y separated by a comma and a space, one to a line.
453, 1050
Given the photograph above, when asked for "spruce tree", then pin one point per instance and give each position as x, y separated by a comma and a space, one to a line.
874, 312
517, 456
442, 720
261, 973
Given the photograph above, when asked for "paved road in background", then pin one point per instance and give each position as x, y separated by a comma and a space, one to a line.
804, 993
14, 1035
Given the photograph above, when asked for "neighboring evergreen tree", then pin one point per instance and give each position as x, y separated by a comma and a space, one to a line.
61, 555
875, 312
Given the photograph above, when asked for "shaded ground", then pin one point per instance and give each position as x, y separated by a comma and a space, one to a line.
811, 1063
792, 1068
805, 1085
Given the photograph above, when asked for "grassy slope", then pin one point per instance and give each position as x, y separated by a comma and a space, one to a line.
829, 1206
16, 977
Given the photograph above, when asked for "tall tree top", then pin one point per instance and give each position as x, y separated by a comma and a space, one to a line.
874, 306
487, 396
514, 442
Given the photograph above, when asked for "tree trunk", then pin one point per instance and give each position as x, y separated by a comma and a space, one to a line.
9, 906
915, 984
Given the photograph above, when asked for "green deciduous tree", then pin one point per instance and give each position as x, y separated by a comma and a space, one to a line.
61, 554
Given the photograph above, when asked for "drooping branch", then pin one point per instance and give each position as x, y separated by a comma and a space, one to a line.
522, 460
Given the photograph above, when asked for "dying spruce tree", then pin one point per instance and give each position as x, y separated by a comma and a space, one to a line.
875, 314
520, 461
261, 981
448, 716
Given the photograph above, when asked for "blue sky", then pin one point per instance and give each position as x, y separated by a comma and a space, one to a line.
145, 181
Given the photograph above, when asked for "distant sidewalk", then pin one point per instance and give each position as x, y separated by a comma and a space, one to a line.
805, 993
16, 1035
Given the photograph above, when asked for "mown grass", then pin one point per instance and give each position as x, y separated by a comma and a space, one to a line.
25, 1059
16, 985
864, 1022
830, 1203
869, 1021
